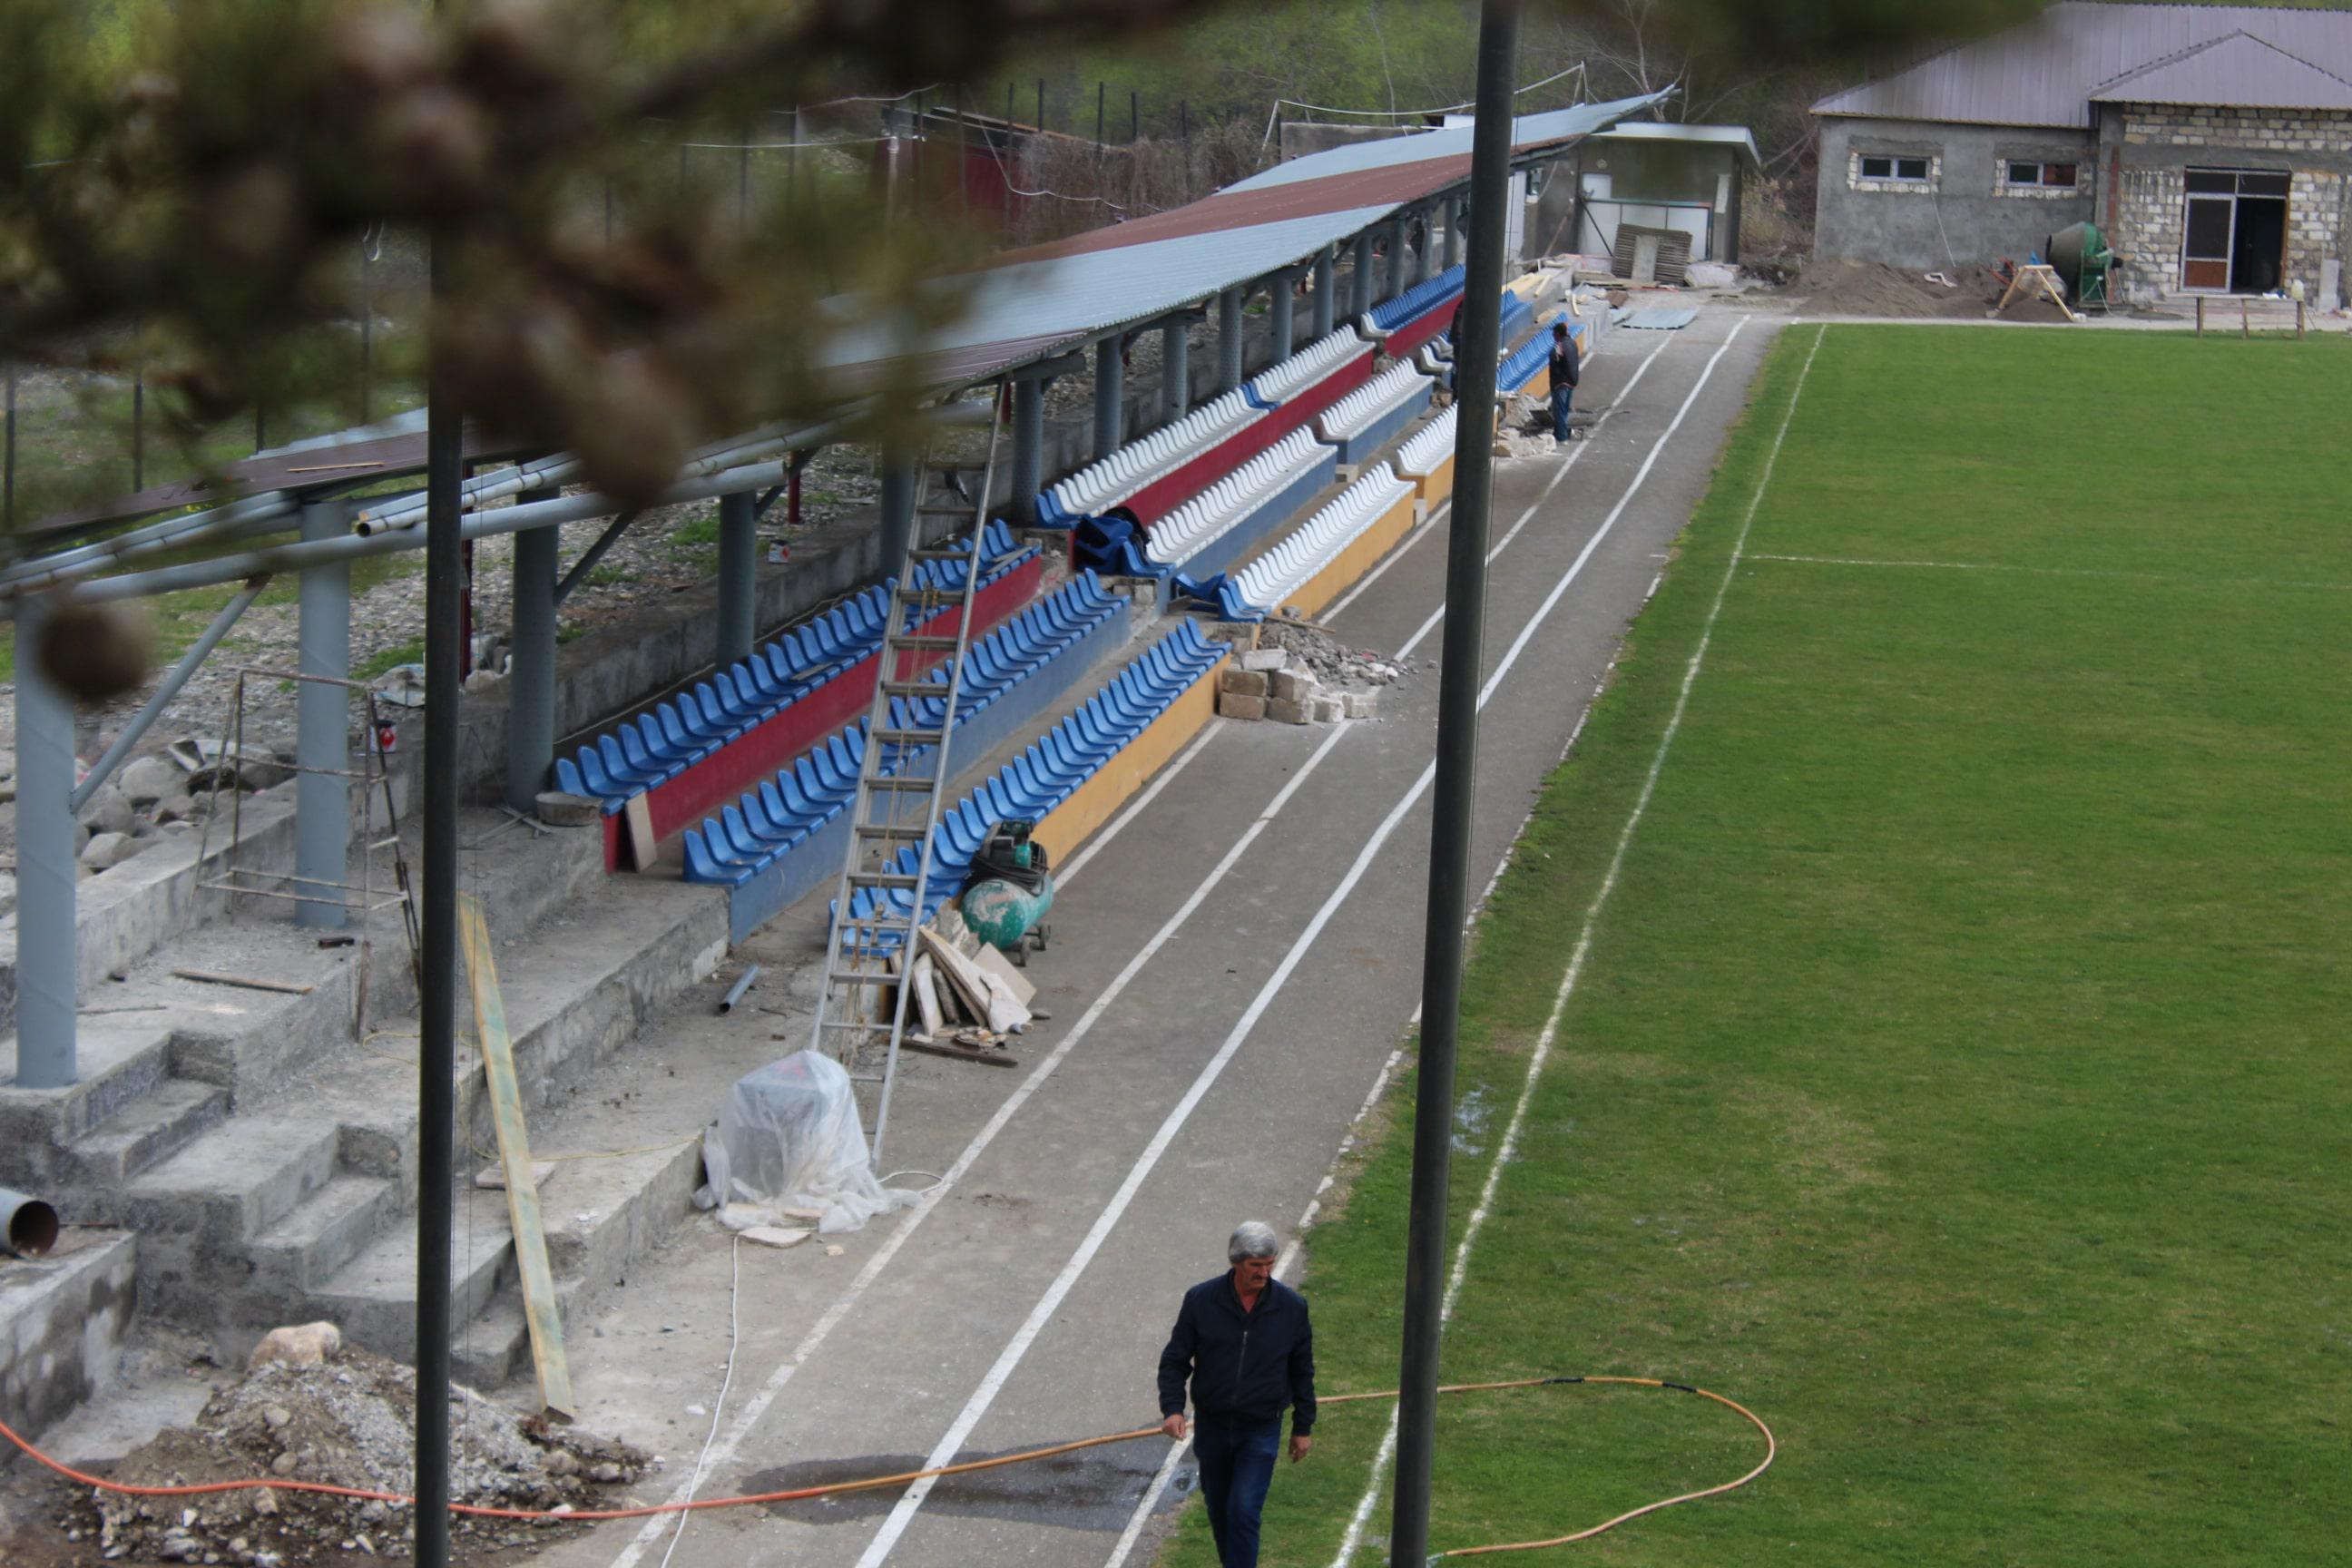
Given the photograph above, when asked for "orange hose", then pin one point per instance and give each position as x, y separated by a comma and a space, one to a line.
904, 1477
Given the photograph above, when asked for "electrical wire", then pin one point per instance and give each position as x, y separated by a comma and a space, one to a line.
1415, 113
906, 1478
719, 1405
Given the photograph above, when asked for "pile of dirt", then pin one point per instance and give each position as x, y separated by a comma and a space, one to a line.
1332, 662
346, 1423
1872, 288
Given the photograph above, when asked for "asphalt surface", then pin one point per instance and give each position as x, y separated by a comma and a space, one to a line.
1235, 961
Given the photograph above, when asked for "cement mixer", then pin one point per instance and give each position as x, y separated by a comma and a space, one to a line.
2080, 256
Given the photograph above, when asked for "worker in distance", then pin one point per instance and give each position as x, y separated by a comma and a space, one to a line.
1243, 1343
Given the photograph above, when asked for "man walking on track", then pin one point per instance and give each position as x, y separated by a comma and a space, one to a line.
1563, 379
1243, 1340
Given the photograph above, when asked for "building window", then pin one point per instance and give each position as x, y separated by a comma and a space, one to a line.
2017, 171
1884, 166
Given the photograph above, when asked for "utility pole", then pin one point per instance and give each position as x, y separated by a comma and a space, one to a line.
1457, 781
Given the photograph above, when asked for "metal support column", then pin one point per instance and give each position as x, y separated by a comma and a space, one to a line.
322, 735
1452, 808
531, 682
1455, 208
1110, 396
1175, 370
1392, 277
1229, 340
1359, 290
898, 484
739, 574
1427, 218
48, 957
1325, 314
1028, 446
1283, 335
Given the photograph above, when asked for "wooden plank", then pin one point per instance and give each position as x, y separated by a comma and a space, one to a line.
993, 961
644, 847
539, 1312
213, 977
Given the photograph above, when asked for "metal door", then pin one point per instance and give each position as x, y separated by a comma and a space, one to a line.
2209, 227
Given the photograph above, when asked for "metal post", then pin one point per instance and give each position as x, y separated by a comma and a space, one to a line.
1281, 326
438, 1008
1421, 251
1229, 340
1110, 396
48, 957
739, 575
1360, 284
176, 680
322, 799
899, 476
1457, 781
1453, 210
1028, 446
530, 680
8, 451
1325, 276
1392, 277
1175, 370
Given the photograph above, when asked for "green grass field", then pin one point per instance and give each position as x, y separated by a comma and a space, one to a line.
1959, 1075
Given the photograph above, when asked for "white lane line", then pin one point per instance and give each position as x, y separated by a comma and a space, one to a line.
1536, 1058
923, 1208
1285, 1270
2262, 584
903, 1513
1445, 506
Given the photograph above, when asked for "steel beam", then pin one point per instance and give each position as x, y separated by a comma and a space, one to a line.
1454, 207
1325, 275
899, 476
1028, 447
170, 687
1426, 218
1110, 396
1359, 290
531, 681
47, 941
1452, 808
590, 556
1175, 370
739, 575
322, 798
1282, 320
1229, 340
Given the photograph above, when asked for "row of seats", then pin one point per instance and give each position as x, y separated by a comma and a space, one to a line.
784, 812
1051, 771
675, 734
1419, 300
1393, 388
1100, 486
1279, 383
1519, 366
1204, 518
1428, 447
1260, 588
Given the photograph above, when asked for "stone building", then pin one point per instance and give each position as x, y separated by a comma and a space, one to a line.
2213, 144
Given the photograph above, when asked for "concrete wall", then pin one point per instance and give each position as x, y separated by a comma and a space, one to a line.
1963, 212
62, 1319
2148, 148
1645, 171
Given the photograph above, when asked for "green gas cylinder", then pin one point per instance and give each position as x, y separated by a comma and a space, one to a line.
1010, 888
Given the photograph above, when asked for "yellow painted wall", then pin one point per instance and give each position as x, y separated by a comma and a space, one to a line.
1070, 824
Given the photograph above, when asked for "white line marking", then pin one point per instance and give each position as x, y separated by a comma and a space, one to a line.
951, 1441
2263, 584
847, 1301
1536, 1058
1446, 506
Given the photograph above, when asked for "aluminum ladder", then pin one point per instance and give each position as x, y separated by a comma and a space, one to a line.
902, 781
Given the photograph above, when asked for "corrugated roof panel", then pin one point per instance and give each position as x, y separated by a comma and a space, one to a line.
2045, 71
1737, 136
2240, 70
1527, 131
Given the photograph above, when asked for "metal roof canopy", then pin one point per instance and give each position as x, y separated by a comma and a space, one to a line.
2046, 71
1030, 304
1737, 137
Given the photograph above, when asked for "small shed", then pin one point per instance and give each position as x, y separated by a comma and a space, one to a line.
1655, 176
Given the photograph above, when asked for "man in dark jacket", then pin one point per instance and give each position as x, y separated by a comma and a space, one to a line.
1243, 1341
1563, 379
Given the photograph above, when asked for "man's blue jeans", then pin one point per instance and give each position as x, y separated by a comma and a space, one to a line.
1237, 1467
1562, 396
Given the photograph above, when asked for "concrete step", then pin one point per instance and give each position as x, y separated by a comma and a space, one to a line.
300, 1253
198, 1212
141, 1135
374, 1297
120, 1059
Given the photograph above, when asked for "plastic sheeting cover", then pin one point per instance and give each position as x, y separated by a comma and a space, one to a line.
789, 1137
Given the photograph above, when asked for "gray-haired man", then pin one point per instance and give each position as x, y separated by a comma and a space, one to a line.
1243, 1341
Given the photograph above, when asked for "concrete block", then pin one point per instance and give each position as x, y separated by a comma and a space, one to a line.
1283, 712
1232, 705
1360, 704
1327, 709
1265, 659
1242, 683
65, 1315
1294, 686
558, 809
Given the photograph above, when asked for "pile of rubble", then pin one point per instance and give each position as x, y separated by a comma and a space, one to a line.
153, 798
1300, 674
347, 1421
